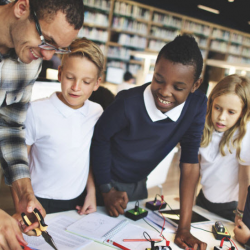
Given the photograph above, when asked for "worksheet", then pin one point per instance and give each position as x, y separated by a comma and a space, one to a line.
63, 240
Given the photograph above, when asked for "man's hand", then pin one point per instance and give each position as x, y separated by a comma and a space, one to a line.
26, 201
185, 239
115, 202
242, 232
89, 205
10, 234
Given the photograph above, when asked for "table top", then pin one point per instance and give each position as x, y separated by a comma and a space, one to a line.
174, 203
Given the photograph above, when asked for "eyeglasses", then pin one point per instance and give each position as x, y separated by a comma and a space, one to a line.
46, 46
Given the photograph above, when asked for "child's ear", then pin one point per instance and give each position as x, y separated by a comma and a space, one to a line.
196, 85
59, 73
22, 9
97, 85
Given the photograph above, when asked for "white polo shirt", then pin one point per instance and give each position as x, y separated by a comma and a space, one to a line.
60, 137
154, 113
219, 174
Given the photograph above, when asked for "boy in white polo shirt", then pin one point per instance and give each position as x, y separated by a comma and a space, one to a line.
59, 131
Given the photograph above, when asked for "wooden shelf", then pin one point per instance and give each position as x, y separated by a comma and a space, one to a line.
159, 38
152, 23
128, 32
92, 25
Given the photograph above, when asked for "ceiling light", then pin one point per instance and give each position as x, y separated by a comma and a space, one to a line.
230, 1
208, 9
249, 22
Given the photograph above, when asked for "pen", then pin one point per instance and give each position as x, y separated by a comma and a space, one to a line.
117, 245
133, 240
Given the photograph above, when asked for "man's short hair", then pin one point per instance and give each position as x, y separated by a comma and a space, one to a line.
185, 50
127, 76
82, 47
47, 9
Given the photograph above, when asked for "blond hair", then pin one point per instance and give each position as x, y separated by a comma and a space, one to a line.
85, 48
233, 84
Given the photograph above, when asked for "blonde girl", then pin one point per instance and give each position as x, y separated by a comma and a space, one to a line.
225, 149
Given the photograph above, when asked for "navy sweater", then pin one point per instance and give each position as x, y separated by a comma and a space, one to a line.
127, 145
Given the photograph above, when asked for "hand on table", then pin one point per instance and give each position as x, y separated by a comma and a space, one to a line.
185, 239
242, 232
115, 202
27, 203
89, 205
10, 233
237, 219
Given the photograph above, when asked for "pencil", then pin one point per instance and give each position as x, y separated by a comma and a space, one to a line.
133, 240
117, 245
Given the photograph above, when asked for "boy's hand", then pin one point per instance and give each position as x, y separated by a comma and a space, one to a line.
89, 205
10, 234
185, 239
242, 232
115, 202
236, 220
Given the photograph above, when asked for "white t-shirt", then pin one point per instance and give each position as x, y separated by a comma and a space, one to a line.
60, 137
219, 174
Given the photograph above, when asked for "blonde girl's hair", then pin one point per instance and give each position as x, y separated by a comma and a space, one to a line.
232, 84
82, 47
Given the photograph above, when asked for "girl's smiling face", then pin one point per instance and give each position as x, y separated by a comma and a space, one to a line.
226, 111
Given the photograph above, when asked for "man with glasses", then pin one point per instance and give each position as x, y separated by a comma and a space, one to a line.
30, 30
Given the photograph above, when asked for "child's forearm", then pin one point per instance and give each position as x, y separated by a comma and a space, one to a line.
90, 183
244, 182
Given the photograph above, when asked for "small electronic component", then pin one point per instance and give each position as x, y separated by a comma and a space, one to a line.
136, 213
156, 204
220, 231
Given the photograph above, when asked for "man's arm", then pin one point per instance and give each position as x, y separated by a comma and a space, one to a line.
189, 179
13, 151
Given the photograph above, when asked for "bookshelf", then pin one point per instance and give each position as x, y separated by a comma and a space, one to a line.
121, 27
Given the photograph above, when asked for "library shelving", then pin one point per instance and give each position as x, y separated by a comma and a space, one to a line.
122, 26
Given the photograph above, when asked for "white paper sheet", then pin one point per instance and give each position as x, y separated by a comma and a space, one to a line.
63, 240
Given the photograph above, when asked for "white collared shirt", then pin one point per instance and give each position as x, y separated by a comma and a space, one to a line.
219, 174
154, 113
60, 137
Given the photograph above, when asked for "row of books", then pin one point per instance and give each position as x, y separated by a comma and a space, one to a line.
202, 42
238, 59
155, 44
164, 33
132, 41
129, 25
119, 53
101, 4
221, 34
218, 45
197, 28
246, 52
134, 68
96, 18
94, 34
167, 20
235, 49
131, 10
117, 64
